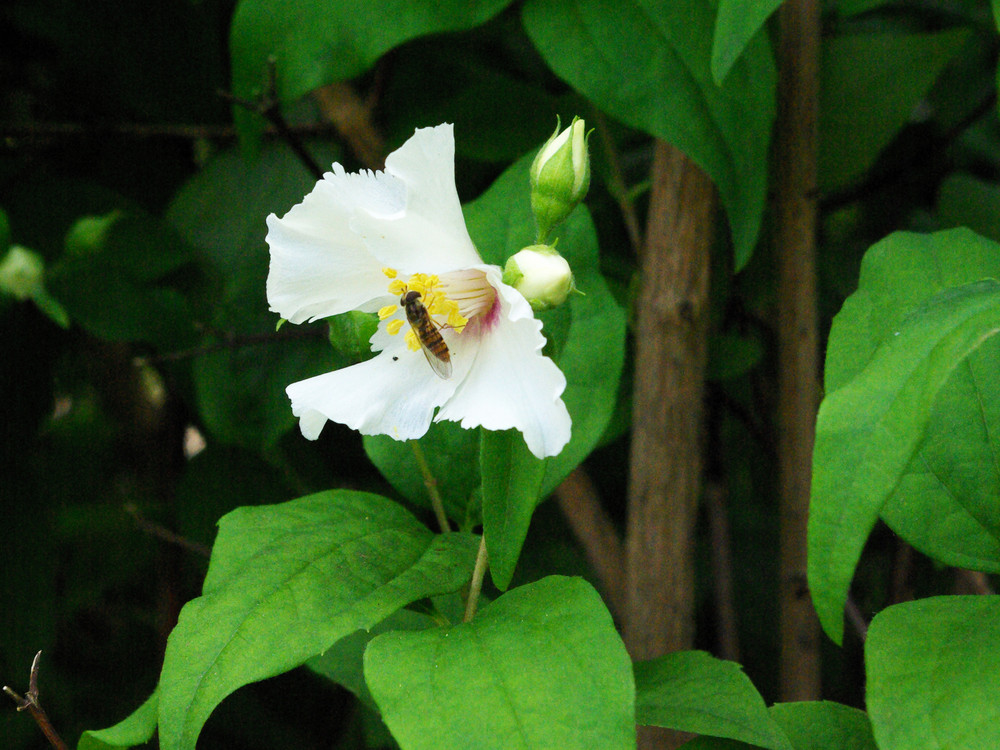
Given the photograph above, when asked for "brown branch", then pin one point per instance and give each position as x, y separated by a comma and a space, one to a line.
581, 506
665, 461
352, 117
722, 571
31, 703
973, 582
798, 383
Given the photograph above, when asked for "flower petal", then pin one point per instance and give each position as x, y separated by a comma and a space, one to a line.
511, 384
319, 267
430, 235
394, 394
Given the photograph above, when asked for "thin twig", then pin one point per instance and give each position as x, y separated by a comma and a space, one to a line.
162, 532
31, 703
476, 584
581, 506
268, 106
617, 183
192, 132
432, 487
232, 342
856, 619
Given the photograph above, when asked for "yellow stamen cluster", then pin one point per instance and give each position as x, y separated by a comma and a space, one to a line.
433, 298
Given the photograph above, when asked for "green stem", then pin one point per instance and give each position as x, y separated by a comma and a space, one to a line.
432, 487
476, 584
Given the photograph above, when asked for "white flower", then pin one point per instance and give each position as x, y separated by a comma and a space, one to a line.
367, 241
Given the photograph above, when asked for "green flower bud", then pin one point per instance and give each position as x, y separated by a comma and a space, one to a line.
21, 273
22, 276
541, 275
560, 177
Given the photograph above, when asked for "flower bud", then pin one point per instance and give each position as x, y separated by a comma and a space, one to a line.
560, 176
541, 275
21, 273
22, 276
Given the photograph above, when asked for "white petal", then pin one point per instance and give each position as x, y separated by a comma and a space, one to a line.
430, 235
319, 267
394, 394
511, 384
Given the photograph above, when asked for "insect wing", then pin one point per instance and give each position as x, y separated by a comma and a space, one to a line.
441, 367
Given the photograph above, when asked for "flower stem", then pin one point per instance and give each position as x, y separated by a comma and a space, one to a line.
476, 584
432, 487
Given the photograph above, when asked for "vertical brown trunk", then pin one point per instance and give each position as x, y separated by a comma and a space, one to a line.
795, 232
665, 470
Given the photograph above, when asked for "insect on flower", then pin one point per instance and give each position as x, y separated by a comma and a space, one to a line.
431, 342
395, 243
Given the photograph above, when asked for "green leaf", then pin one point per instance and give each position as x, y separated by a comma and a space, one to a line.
809, 725
315, 43
694, 692
857, 122
452, 453
540, 667
824, 725
947, 501
4, 232
647, 63
343, 662
932, 670
241, 379
133, 730
512, 477
888, 359
286, 582
586, 336
965, 200
735, 25
123, 277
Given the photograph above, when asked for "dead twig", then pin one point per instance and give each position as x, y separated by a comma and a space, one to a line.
31, 704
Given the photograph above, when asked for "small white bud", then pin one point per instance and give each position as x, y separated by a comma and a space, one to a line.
541, 275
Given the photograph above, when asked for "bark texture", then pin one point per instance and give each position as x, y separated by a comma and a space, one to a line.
798, 380
665, 463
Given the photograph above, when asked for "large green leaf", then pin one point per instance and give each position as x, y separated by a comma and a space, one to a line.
648, 63
512, 478
735, 25
540, 667
859, 118
694, 692
884, 432
136, 729
315, 43
933, 669
286, 582
809, 725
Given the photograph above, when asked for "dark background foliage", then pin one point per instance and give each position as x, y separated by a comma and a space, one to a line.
120, 167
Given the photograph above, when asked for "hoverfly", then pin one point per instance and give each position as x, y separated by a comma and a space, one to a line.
431, 342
